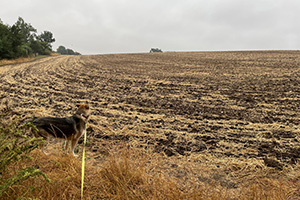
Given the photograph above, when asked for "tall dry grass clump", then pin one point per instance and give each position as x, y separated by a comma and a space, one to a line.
126, 174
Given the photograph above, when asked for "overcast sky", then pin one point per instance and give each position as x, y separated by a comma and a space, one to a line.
125, 26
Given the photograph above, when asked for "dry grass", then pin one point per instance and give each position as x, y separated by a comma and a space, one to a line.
122, 175
129, 173
22, 59
15, 61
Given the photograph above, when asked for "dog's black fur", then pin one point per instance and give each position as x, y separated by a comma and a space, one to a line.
67, 128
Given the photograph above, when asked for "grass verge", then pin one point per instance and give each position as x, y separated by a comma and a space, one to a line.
23, 59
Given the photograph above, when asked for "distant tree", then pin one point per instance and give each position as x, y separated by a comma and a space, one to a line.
155, 50
11, 42
6, 42
45, 39
26, 30
20, 40
70, 52
36, 46
63, 51
17, 42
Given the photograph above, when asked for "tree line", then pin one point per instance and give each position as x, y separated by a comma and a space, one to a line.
21, 40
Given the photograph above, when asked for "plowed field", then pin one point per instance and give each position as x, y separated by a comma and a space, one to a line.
241, 106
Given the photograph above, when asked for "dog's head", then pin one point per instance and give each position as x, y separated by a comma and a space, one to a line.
83, 111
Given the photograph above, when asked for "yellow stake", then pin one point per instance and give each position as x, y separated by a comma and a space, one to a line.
83, 162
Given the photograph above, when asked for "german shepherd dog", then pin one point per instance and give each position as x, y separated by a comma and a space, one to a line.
67, 128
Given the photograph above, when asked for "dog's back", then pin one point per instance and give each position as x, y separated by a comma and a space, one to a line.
56, 127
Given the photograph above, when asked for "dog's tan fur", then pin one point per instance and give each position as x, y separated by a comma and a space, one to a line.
67, 128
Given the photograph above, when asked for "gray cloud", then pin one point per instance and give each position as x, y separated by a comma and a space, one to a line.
114, 26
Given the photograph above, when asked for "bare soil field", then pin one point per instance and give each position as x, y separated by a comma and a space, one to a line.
224, 118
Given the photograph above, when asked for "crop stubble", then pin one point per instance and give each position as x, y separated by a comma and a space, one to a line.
242, 105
